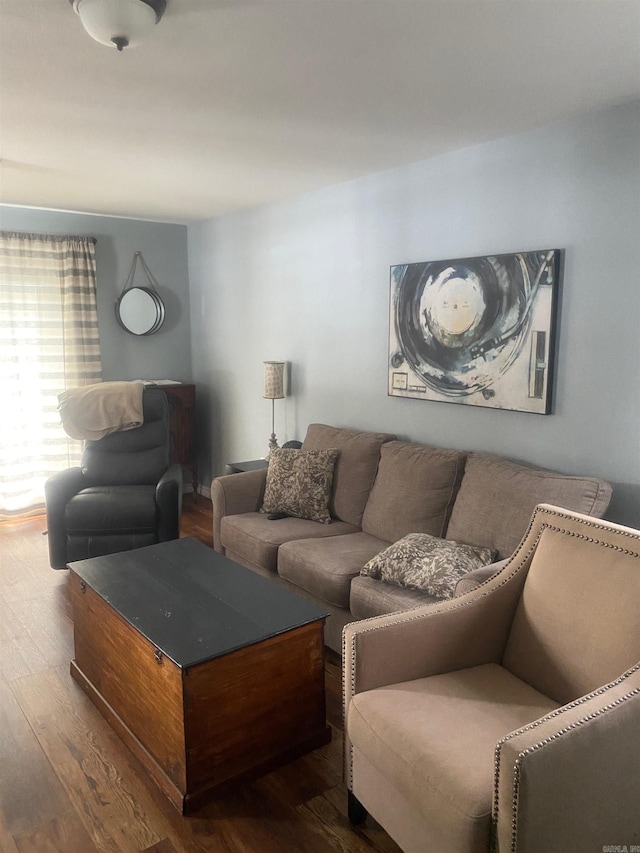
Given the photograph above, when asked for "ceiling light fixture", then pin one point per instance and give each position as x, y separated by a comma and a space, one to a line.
119, 23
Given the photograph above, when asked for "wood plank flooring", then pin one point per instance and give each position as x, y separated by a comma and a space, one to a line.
68, 784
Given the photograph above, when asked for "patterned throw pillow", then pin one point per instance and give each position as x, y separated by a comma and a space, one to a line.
427, 563
299, 483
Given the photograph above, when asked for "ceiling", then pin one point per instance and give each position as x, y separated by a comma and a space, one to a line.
236, 103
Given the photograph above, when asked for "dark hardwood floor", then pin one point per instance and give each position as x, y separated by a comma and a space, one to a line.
68, 784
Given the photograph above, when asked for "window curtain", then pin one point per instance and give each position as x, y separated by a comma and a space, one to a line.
48, 343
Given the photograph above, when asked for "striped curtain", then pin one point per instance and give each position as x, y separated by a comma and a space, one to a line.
48, 343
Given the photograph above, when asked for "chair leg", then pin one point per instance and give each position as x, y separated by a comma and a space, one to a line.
356, 811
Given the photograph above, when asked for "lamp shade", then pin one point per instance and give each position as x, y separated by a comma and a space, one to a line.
273, 380
119, 23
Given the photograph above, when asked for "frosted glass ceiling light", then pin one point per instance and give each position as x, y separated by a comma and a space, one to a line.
119, 23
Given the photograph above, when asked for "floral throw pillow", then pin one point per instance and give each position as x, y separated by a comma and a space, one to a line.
299, 483
427, 563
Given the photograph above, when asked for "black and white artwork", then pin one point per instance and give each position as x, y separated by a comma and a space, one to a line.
478, 331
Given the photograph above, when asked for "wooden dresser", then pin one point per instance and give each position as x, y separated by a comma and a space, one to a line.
182, 400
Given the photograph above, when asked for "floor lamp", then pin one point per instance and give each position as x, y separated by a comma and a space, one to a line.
273, 390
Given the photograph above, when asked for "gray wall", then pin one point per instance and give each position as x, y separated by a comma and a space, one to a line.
164, 355
307, 281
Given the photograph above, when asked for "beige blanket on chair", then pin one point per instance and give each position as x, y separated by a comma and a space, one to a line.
96, 410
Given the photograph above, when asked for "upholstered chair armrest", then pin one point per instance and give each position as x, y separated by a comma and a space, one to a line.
169, 503
232, 494
435, 638
460, 632
58, 490
473, 579
584, 757
431, 639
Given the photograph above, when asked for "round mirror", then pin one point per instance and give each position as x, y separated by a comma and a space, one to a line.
140, 311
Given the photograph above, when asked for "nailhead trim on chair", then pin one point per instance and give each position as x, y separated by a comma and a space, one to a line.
555, 736
433, 608
586, 522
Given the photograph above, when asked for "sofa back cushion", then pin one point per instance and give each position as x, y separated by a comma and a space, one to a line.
414, 490
576, 625
132, 457
355, 468
497, 498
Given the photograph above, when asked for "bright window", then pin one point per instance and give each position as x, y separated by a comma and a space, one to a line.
48, 343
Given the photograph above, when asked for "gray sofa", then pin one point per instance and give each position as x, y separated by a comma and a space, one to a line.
383, 489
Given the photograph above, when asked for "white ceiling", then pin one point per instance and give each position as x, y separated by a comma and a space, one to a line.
235, 103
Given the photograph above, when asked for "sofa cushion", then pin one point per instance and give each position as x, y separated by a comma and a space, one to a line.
113, 509
137, 456
326, 567
369, 597
423, 562
254, 539
497, 498
434, 738
299, 483
414, 490
355, 469
472, 580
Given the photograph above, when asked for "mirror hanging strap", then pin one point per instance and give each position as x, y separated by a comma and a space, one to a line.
153, 284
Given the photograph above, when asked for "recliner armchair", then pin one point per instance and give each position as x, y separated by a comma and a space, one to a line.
507, 719
125, 494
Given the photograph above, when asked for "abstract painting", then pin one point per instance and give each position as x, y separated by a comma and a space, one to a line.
478, 331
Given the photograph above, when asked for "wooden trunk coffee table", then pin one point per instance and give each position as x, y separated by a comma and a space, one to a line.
208, 672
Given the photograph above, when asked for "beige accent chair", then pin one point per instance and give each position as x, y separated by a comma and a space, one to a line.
507, 719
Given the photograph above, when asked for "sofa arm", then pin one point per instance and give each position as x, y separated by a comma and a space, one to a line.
58, 491
473, 579
582, 756
169, 503
232, 494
